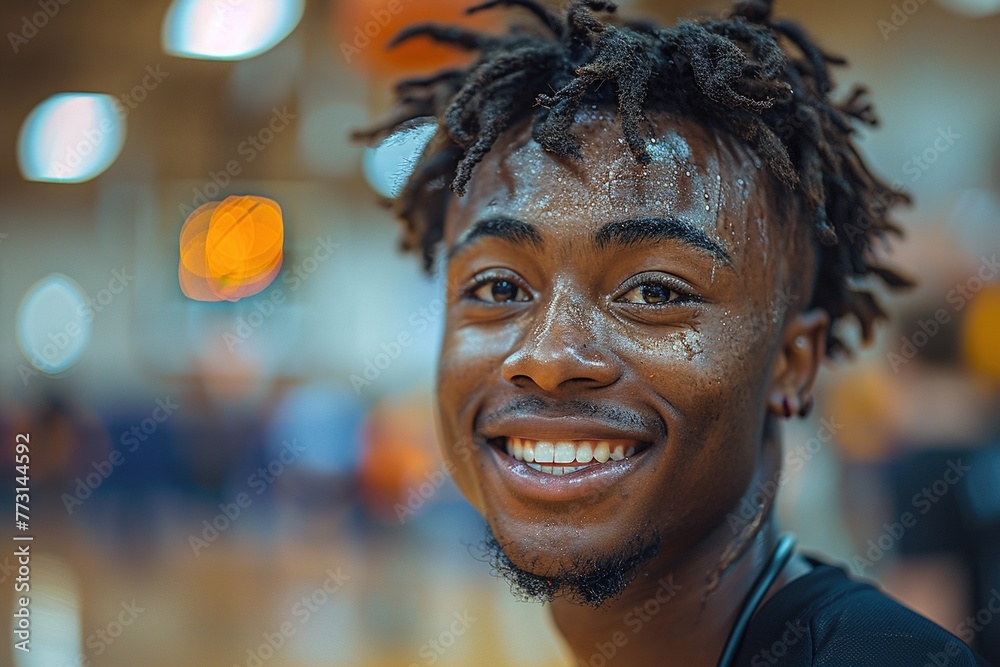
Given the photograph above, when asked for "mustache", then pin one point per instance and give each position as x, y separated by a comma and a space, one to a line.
614, 414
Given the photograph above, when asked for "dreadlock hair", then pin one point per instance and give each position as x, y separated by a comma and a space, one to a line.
730, 72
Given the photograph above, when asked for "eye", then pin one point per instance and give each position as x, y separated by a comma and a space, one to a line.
498, 290
655, 290
650, 293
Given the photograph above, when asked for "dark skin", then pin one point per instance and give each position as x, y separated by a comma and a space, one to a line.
684, 330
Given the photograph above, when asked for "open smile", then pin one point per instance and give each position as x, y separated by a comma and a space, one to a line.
567, 456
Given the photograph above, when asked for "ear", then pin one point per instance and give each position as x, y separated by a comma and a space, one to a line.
803, 347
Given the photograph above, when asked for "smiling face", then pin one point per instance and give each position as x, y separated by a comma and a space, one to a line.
619, 324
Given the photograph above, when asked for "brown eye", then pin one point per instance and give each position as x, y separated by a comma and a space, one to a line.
500, 291
654, 290
650, 294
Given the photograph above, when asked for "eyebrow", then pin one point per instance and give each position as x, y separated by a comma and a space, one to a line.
621, 233
509, 229
645, 230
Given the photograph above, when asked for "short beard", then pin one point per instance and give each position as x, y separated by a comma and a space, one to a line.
590, 580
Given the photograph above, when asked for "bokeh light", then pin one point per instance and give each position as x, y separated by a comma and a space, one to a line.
972, 8
54, 323
388, 165
228, 29
55, 615
70, 138
362, 30
230, 249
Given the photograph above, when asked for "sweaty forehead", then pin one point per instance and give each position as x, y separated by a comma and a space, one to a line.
695, 174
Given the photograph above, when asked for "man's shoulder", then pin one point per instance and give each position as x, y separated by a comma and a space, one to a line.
827, 619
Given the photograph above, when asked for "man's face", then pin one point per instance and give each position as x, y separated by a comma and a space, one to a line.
620, 321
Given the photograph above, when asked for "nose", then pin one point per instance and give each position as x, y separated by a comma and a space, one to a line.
560, 351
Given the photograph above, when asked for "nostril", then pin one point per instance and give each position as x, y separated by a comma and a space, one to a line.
520, 380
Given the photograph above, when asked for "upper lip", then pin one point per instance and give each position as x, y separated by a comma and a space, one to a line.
556, 429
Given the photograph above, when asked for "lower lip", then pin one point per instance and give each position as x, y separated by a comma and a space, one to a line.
529, 484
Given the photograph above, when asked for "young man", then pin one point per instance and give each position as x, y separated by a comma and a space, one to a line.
647, 238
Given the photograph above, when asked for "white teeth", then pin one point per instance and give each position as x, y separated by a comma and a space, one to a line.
565, 452
544, 452
556, 456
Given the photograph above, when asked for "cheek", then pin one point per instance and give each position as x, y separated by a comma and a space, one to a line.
468, 363
471, 356
710, 386
722, 353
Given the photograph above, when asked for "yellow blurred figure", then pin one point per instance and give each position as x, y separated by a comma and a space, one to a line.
979, 333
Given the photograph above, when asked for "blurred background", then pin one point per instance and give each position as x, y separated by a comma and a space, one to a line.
243, 481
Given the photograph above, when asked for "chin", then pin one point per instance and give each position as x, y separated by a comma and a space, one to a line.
543, 562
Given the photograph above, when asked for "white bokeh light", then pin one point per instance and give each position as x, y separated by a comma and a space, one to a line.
388, 165
55, 615
53, 327
972, 8
70, 138
228, 29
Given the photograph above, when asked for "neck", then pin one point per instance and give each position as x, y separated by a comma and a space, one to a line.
680, 608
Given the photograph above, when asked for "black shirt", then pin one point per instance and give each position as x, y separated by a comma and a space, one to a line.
825, 619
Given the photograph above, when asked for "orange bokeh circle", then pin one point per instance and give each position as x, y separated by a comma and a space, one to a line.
362, 30
230, 249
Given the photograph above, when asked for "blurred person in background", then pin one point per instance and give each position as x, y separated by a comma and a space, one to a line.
943, 469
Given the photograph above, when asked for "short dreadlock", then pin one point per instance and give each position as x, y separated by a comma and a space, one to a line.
730, 73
